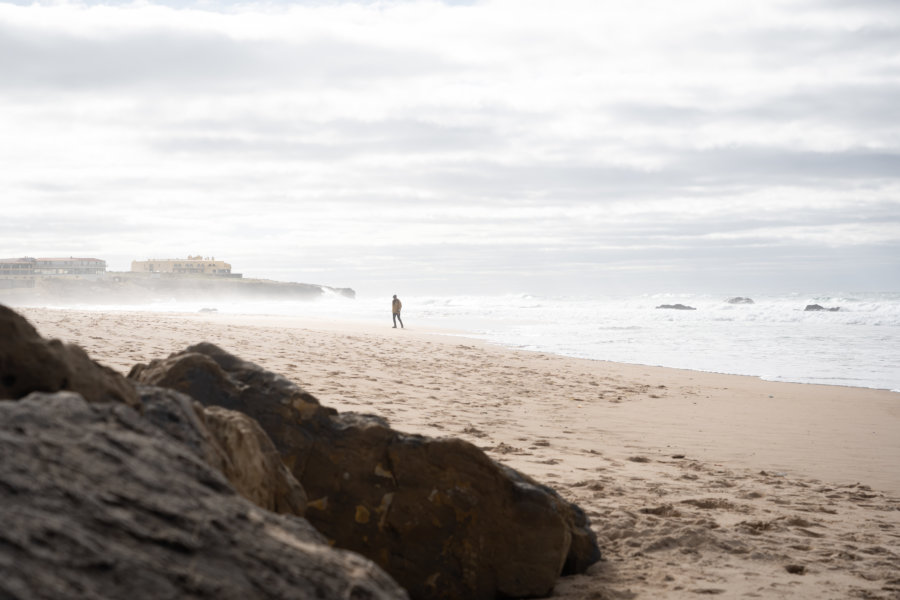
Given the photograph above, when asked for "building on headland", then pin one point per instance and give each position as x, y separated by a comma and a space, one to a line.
17, 272
22, 272
192, 265
70, 267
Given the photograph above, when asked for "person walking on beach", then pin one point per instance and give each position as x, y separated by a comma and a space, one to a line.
396, 305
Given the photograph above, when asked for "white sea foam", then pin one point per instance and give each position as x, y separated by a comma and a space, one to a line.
774, 338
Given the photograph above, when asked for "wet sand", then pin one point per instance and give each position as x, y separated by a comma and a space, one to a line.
696, 483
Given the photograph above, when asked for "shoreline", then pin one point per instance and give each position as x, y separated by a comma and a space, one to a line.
373, 326
717, 396
740, 482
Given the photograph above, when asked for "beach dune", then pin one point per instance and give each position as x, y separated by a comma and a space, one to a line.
695, 483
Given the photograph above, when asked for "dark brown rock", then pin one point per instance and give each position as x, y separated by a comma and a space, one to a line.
181, 418
30, 363
229, 441
97, 502
439, 515
254, 467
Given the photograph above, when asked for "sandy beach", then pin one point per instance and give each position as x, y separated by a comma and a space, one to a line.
696, 483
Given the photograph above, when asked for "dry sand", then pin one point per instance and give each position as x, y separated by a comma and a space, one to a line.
697, 484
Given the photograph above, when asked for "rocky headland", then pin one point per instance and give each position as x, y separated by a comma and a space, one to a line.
143, 288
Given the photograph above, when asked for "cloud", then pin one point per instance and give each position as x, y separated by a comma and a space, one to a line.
476, 140
192, 61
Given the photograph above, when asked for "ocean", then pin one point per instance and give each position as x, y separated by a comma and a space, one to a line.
774, 338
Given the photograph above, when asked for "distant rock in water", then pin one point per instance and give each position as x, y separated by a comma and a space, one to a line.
676, 307
209, 310
740, 300
438, 515
818, 307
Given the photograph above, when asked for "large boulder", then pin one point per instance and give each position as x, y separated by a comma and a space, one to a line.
182, 419
98, 502
254, 466
231, 442
30, 363
438, 514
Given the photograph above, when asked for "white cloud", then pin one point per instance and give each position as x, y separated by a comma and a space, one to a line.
835, 236
512, 130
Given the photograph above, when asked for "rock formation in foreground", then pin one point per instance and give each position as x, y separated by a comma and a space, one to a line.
232, 443
254, 466
97, 502
126, 496
440, 516
116, 488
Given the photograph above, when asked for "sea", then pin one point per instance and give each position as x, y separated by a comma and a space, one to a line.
773, 338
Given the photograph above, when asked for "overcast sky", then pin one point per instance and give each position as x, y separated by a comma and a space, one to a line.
537, 146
